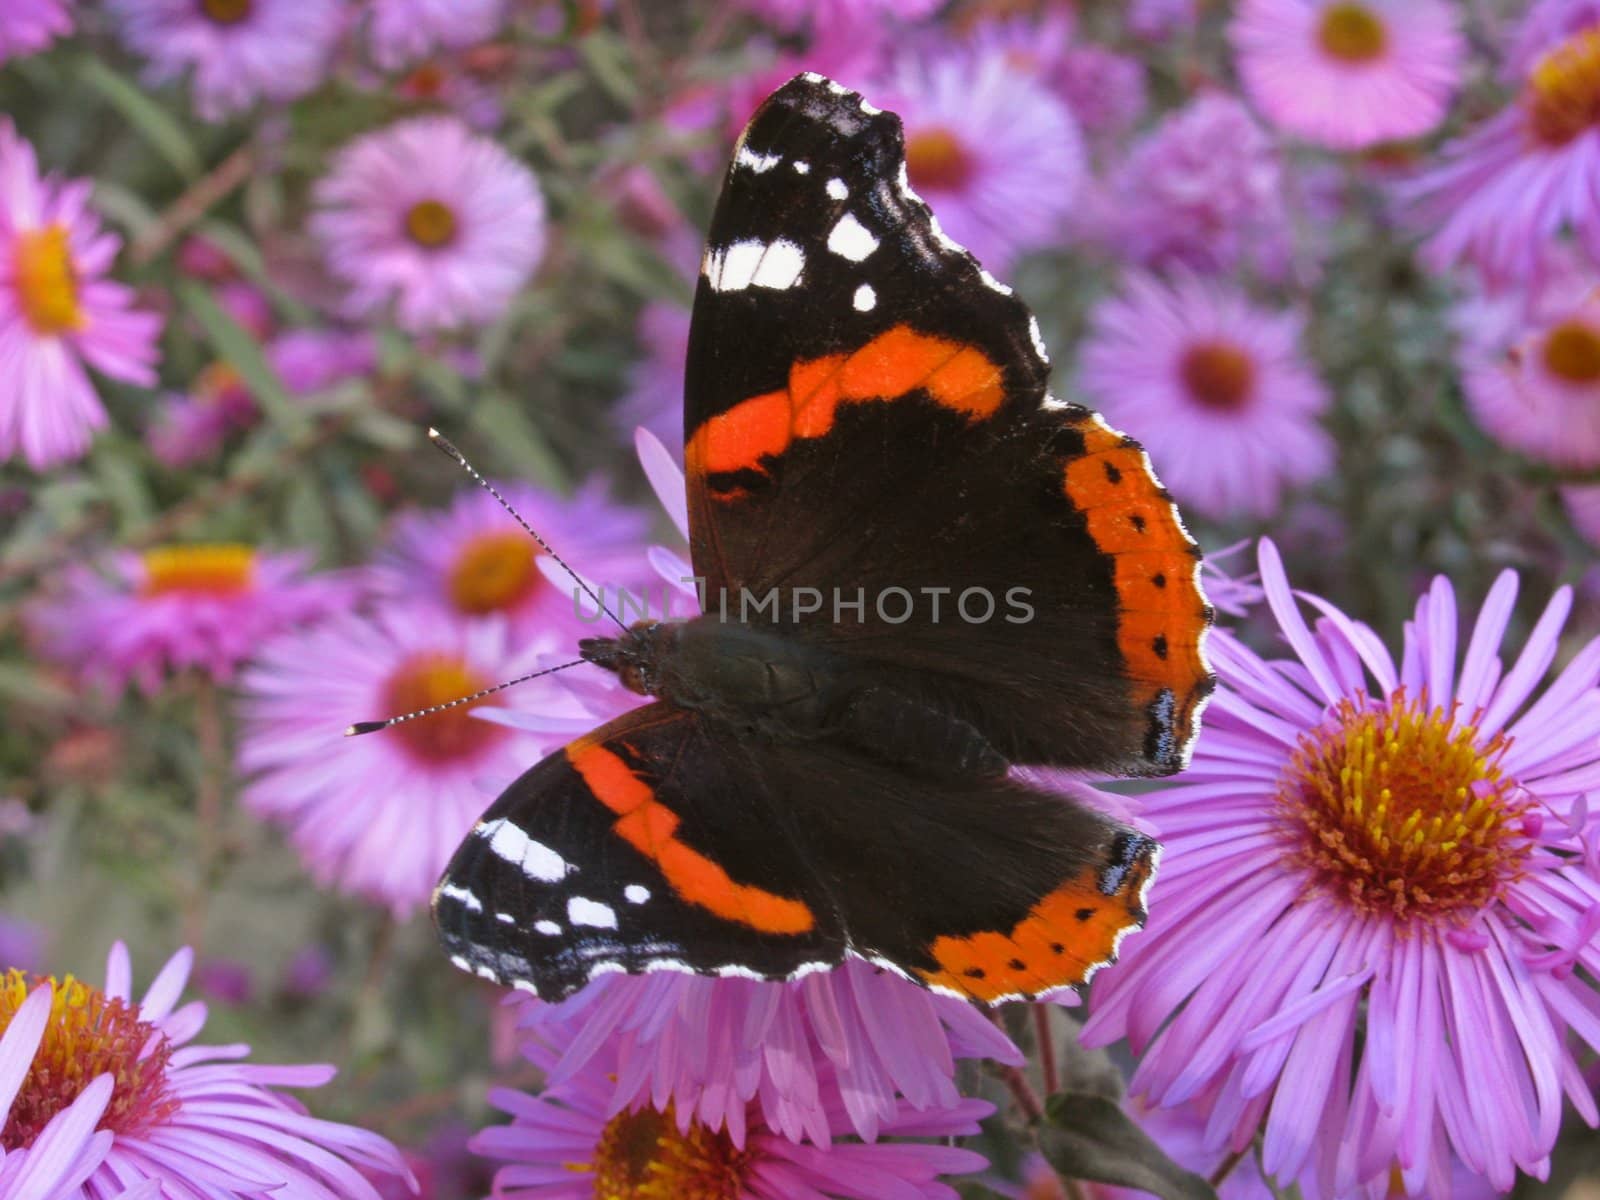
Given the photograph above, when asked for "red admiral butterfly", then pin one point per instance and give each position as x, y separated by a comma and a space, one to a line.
865, 413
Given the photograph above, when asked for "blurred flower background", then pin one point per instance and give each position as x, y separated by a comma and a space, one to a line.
1334, 263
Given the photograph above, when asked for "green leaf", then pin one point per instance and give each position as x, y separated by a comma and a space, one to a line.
234, 346
1087, 1136
148, 118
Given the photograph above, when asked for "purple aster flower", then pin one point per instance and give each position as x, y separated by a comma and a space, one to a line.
380, 815
1541, 396
238, 51
472, 559
837, 1052
829, 15
654, 399
1349, 73
998, 157
1545, 24
1215, 387
406, 30
179, 608
1583, 508
573, 1141
108, 1094
1203, 189
1378, 883
1501, 196
59, 313
28, 26
433, 218
1104, 89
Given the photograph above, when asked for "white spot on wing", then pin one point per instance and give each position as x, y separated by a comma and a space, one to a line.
505, 918
851, 239
838, 189
636, 893
1038, 339
780, 266
865, 298
802, 167
548, 928
992, 283
591, 912
759, 163
467, 900
748, 263
870, 110
536, 859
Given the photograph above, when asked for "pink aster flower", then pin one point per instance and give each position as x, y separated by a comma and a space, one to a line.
380, 815
1157, 20
59, 312
433, 218
472, 559
1349, 73
1502, 195
177, 608
238, 51
572, 1142
106, 1096
406, 30
998, 157
1215, 387
829, 15
1378, 883
837, 1052
1541, 396
28, 26
1203, 189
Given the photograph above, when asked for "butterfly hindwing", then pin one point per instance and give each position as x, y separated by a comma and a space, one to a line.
660, 841
644, 845
907, 449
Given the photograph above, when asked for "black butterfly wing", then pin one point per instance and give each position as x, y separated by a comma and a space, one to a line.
663, 842
866, 416
648, 844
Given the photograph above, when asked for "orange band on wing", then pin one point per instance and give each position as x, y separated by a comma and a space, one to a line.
897, 362
650, 827
1059, 943
1132, 521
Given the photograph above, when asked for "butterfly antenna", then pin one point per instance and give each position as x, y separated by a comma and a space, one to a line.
361, 727
449, 447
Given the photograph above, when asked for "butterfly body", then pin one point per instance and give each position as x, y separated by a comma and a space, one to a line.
919, 570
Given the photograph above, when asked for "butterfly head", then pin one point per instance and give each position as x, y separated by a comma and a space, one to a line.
635, 657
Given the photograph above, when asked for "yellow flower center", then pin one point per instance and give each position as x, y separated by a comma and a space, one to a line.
1218, 375
87, 1035
222, 569
935, 159
642, 1156
1402, 811
47, 281
428, 679
226, 12
1572, 352
1352, 33
494, 572
430, 224
1562, 99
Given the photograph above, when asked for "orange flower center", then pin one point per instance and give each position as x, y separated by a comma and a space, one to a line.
226, 12
1218, 375
223, 569
430, 224
432, 678
47, 281
88, 1035
494, 572
1562, 99
1352, 33
1402, 811
936, 159
1572, 352
642, 1156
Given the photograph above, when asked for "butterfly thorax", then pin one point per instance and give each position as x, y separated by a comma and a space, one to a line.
766, 683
